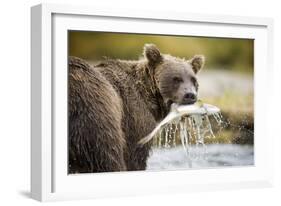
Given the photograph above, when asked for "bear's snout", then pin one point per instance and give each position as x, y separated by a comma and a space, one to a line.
189, 98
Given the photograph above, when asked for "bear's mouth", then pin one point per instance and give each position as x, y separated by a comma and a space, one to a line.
170, 102
188, 102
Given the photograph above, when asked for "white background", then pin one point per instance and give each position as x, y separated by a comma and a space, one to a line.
15, 102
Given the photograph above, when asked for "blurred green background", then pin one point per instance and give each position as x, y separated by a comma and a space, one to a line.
226, 80
224, 53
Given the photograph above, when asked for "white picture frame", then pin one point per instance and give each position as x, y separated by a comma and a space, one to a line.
49, 179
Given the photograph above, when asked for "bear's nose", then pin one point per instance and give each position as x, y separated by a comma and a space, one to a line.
189, 98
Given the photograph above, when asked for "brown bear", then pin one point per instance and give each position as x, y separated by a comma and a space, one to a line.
114, 104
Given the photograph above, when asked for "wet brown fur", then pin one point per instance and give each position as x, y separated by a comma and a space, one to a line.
111, 107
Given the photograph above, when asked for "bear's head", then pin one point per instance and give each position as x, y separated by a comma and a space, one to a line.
175, 78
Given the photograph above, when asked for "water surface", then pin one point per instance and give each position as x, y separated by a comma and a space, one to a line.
214, 155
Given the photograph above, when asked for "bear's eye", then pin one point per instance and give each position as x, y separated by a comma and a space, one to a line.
194, 81
177, 79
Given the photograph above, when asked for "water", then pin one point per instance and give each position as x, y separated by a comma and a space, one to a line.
191, 132
191, 129
215, 155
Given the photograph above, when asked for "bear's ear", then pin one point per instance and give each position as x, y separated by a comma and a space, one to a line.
152, 54
197, 63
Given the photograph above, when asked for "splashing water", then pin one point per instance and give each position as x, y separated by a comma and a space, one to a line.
192, 127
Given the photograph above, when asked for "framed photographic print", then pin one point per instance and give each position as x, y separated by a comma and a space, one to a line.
135, 102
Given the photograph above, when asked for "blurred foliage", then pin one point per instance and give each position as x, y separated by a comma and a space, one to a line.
223, 53
229, 101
